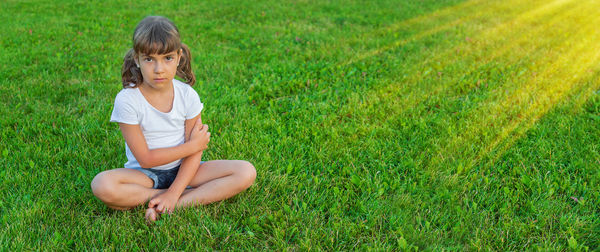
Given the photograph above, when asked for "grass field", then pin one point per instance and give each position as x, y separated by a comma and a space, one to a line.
404, 125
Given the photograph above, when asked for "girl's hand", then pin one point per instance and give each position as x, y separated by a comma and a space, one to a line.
200, 136
164, 203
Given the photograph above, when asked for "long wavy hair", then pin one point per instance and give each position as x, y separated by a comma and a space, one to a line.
156, 35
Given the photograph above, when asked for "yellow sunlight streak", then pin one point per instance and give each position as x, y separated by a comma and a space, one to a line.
411, 99
537, 96
528, 16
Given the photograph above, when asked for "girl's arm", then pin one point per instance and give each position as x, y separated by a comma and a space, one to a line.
189, 166
149, 158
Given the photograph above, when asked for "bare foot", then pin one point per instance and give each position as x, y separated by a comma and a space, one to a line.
151, 215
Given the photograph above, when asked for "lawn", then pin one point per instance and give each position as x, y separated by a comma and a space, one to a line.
385, 125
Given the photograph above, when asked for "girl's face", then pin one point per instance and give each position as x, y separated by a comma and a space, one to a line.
158, 70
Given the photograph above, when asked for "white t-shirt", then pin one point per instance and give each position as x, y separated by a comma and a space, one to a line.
160, 129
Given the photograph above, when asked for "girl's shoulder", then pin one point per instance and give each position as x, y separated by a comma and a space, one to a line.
184, 88
127, 95
181, 85
127, 92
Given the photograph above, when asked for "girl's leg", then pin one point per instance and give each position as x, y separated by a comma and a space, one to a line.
218, 180
123, 188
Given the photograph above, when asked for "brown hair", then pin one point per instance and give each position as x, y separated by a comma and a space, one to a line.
156, 35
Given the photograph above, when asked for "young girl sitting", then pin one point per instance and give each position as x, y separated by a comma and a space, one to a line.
159, 118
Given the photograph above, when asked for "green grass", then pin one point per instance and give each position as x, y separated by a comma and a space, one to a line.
403, 125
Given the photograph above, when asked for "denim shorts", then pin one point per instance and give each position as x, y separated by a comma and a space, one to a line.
162, 178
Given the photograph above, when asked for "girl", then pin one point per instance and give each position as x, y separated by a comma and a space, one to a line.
159, 118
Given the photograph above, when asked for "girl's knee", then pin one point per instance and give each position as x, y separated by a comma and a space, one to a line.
247, 173
103, 187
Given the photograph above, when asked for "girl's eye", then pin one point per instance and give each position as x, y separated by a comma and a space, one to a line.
147, 59
169, 58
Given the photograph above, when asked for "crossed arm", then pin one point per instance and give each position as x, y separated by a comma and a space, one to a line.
196, 140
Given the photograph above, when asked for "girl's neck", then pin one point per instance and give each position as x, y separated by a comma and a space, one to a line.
160, 99
148, 89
